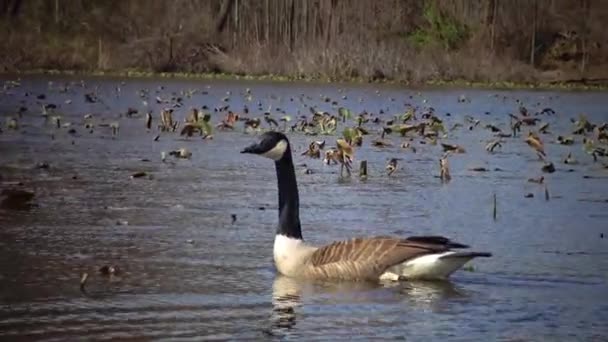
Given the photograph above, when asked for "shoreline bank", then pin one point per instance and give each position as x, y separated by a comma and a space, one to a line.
571, 85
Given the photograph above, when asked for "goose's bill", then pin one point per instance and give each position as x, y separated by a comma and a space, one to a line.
253, 149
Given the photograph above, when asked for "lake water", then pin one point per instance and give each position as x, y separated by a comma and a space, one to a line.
187, 272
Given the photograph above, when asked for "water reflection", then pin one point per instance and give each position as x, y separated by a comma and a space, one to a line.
286, 296
428, 292
289, 296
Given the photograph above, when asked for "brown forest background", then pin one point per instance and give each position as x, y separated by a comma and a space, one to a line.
403, 40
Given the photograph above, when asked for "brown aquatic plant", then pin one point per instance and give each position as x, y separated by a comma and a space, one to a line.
363, 169
494, 207
115, 126
565, 140
391, 167
139, 174
492, 145
570, 160
539, 180
345, 155
109, 270
331, 156
192, 116
493, 128
453, 148
166, 121
314, 149
252, 123
381, 143
190, 128
270, 120
182, 153
149, 120
12, 124
478, 169
534, 142
548, 168
444, 168
83, 281
16, 199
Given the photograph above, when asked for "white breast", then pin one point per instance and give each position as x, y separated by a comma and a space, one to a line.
290, 254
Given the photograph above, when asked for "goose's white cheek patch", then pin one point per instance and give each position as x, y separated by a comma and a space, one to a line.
277, 151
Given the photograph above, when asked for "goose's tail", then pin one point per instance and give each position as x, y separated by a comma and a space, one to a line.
468, 255
437, 266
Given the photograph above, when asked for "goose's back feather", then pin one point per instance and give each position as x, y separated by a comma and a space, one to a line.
368, 258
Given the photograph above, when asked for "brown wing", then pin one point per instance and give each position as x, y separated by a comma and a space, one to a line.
368, 258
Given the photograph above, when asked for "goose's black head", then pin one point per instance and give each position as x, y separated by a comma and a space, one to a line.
273, 145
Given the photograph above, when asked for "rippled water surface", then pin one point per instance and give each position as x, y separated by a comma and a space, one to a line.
188, 272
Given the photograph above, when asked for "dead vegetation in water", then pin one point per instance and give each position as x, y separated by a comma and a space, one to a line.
417, 128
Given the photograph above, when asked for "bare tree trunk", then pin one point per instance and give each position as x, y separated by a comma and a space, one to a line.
235, 30
56, 12
4, 5
16, 9
170, 63
267, 24
494, 4
329, 22
292, 13
584, 37
223, 15
533, 39
99, 53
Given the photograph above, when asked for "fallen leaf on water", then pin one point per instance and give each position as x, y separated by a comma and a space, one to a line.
139, 174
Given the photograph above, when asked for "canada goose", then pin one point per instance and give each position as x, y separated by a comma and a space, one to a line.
373, 258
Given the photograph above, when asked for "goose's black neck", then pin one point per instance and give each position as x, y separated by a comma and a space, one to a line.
289, 202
